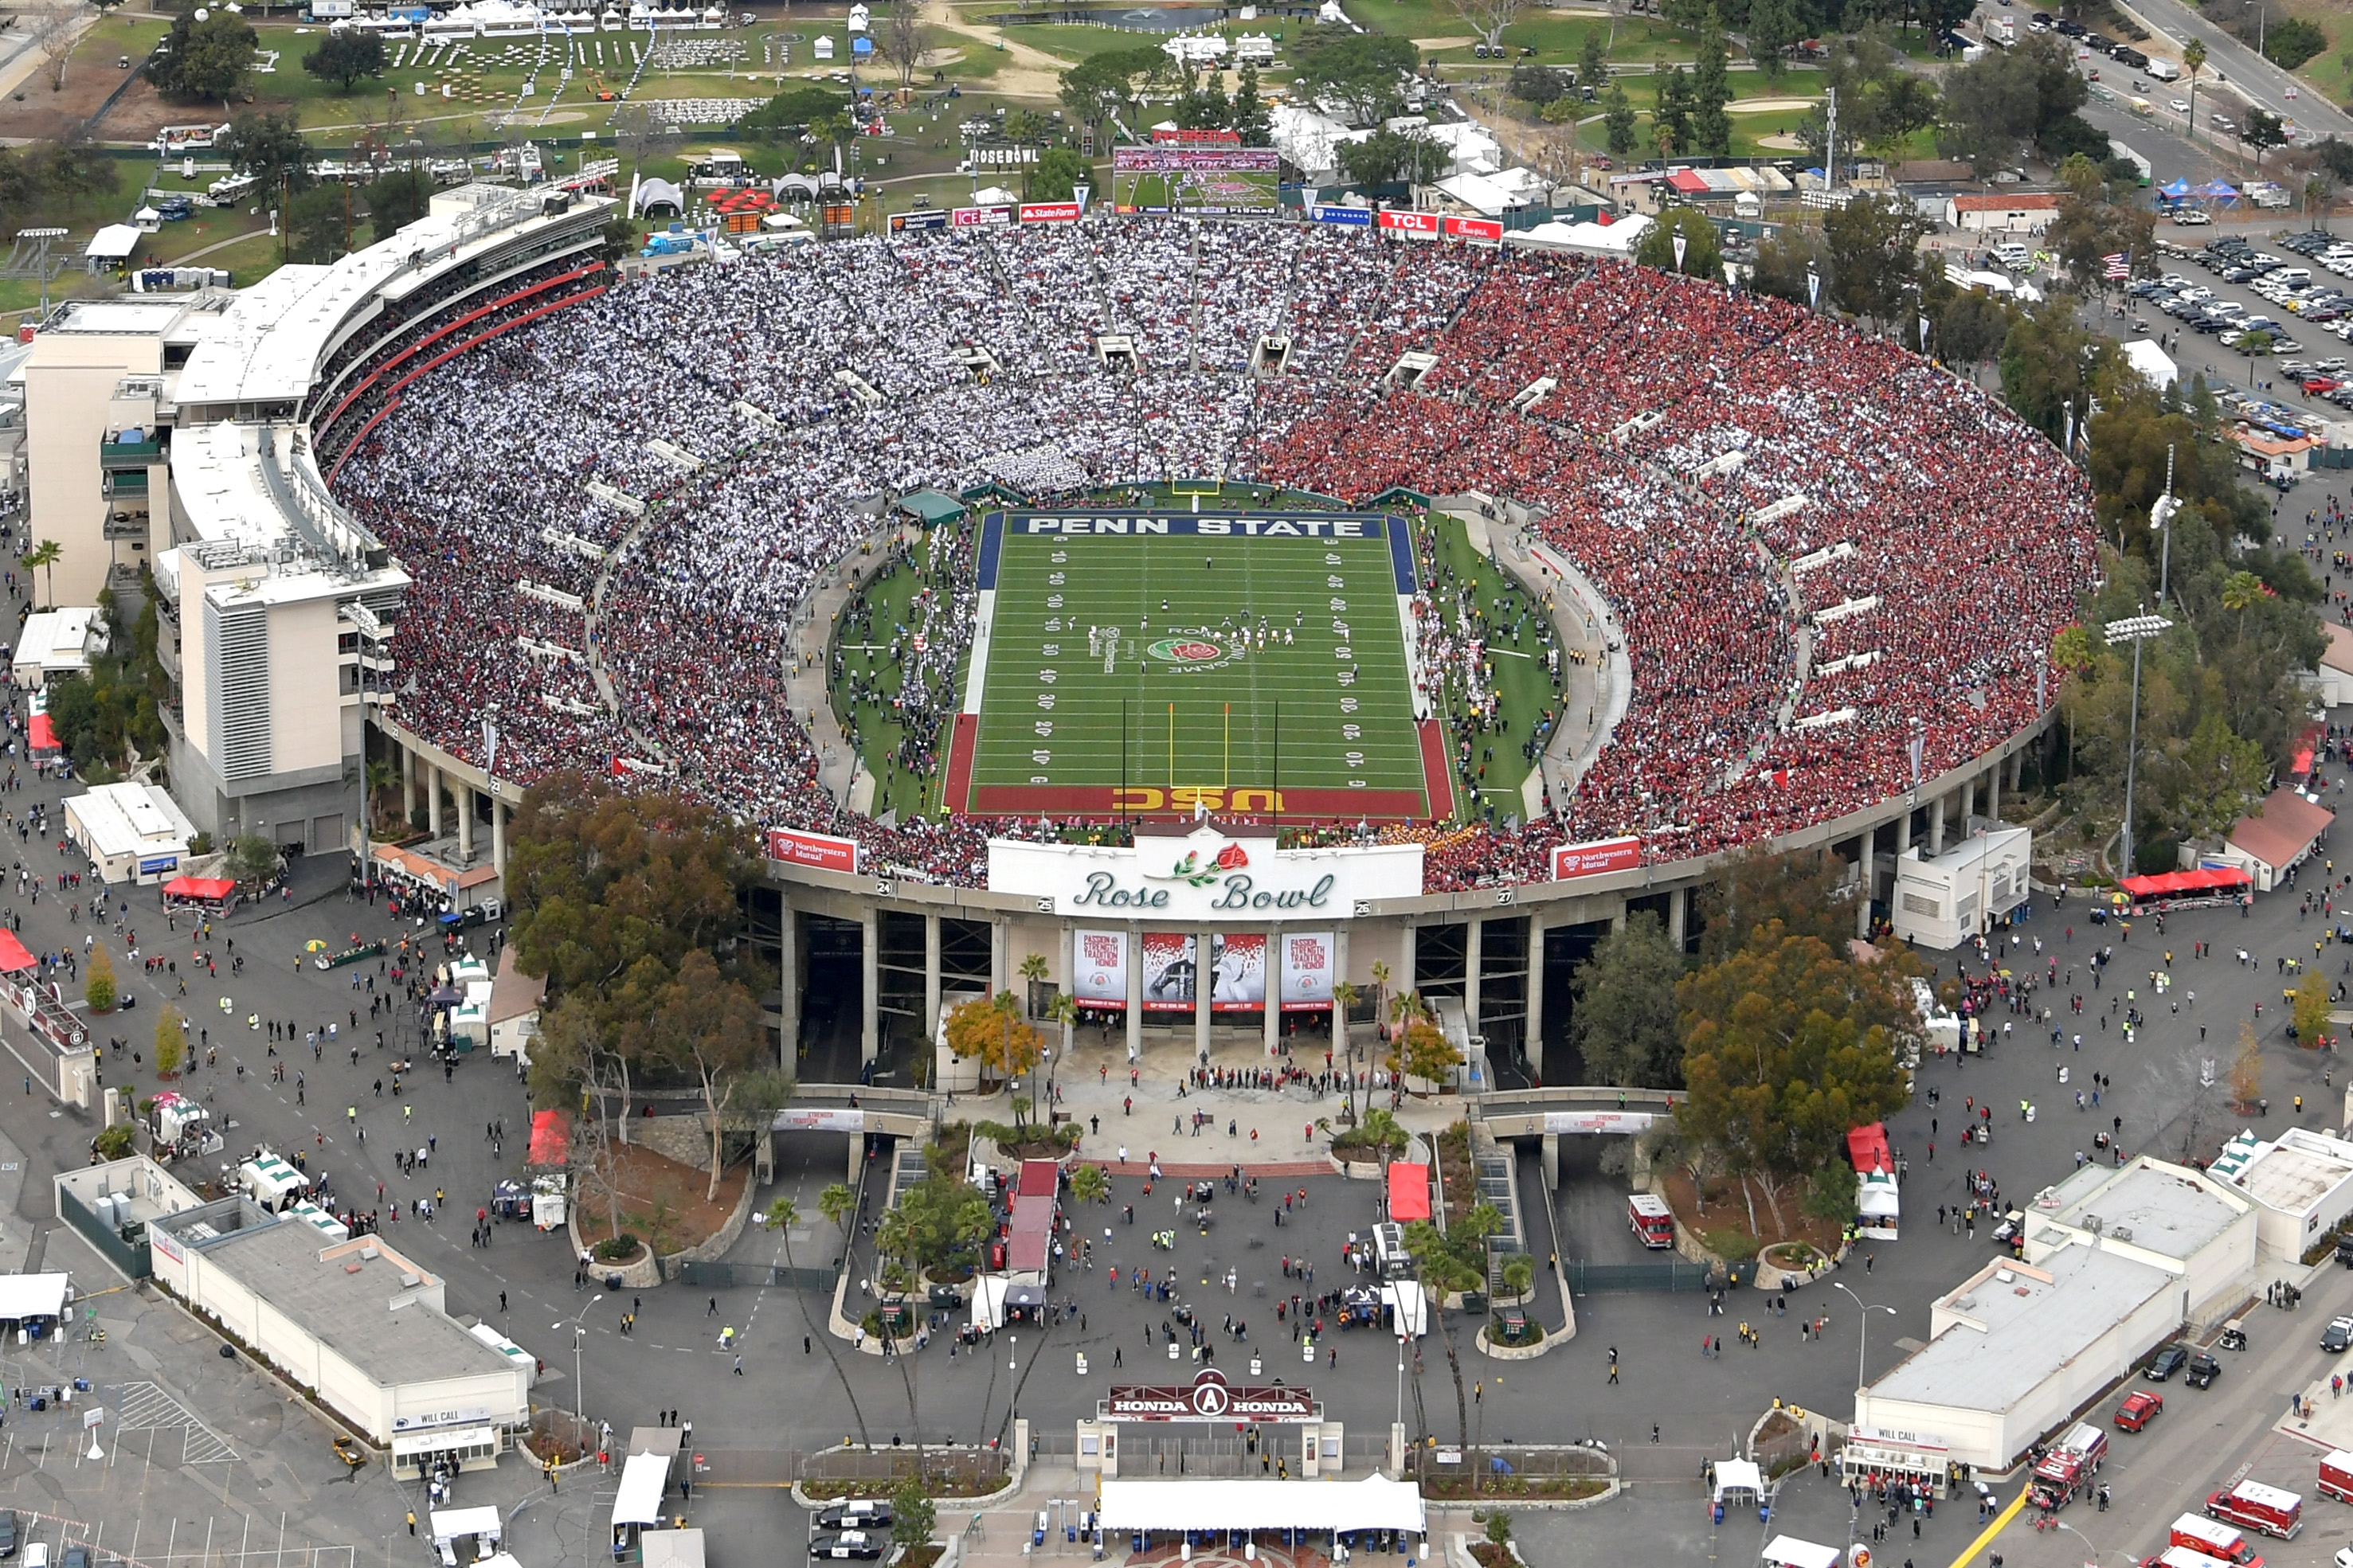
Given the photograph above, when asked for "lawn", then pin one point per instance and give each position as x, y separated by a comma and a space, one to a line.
1524, 688
1231, 663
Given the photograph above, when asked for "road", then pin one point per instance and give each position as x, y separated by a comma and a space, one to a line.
2249, 75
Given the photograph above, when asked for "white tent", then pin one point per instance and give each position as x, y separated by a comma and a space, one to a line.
639, 1498
24, 1295
1373, 1503
452, 1524
2153, 363
1878, 1206
1788, 1552
1739, 1481
988, 1300
1409, 1307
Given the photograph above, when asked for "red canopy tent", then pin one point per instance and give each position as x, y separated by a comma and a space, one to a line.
1408, 1192
211, 890
1867, 1148
43, 737
14, 954
551, 1138
2174, 884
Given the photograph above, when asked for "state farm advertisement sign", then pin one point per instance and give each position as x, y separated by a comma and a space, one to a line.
1591, 859
1049, 212
1208, 1399
1412, 223
821, 850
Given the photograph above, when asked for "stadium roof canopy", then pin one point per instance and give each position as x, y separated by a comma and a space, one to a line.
931, 508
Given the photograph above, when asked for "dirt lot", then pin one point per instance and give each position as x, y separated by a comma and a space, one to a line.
662, 1201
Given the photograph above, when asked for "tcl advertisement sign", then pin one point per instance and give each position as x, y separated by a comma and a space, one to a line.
1049, 212
1593, 858
981, 218
821, 850
1412, 223
1208, 1399
1475, 229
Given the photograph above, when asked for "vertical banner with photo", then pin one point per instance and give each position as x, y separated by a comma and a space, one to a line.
1101, 980
1306, 970
1168, 970
1237, 972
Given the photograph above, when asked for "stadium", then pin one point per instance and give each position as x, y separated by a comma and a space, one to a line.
1141, 593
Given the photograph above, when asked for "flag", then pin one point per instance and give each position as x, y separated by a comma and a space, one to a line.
2119, 265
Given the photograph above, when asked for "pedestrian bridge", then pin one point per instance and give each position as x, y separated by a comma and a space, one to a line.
1586, 1109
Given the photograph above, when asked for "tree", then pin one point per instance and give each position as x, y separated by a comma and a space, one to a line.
1344, 999
1625, 1023
318, 223
252, 860
791, 111
98, 980
1089, 1185
1499, 1527
1711, 127
344, 56
1488, 19
912, 1515
1786, 1045
1251, 120
2014, 98
1874, 256
783, 1215
1419, 1048
904, 42
53, 36
1702, 252
271, 148
993, 1031
1971, 327
712, 1028
2290, 41
398, 200
2193, 58
1800, 890
1102, 88
1593, 58
945, 1220
171, 1044
1394, 157
2264, 129
1830, 1197
1671, 115
1788, 260
1773, 26
1363, 73
43, 558
2312, 1009
2247, 1071
1534, 85
206, 59
1618, 119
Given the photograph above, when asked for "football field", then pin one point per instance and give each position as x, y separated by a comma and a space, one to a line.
1145, 662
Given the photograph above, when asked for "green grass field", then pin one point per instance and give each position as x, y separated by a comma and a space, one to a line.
1115, 658
1223, 190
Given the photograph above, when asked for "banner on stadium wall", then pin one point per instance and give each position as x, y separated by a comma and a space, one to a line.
1169, 969
813, 1121
1050, 212
1237, 971
1591, 859
981, 218
903, 223
821, 850
1100, 968
1484, 228
1346, 217
1306, 970
1428, 224
1599, 1123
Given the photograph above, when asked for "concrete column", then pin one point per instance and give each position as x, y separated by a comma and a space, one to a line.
857, 1159
407, 787
1135, 992
1204, 946
1678, 917
931, 975
1618, 919
870, 971
788, 985
433, 798
498, 835
463, 795
1935, 827
1474, 948
1862, 893
1273, 989
1000, 951
1066, 978
1402, 982
1993, 791
1968, 803
1535, 992
1550, 1150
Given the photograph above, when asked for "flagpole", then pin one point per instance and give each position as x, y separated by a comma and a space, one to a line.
1171, 747
1229, 747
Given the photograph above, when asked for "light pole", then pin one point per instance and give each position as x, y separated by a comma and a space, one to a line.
2135, 630
1863, 1328
579, 1387
2160, 517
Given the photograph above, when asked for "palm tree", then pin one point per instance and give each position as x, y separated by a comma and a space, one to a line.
1089, 1185
783, 1215
2193, 55
1064, 1011
1343, 996
1033, 970
43, 557
2240, 590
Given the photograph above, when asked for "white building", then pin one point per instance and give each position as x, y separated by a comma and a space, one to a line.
357, 1321
1944, 902
2281, 835
2019, 1348
2301, 1183
135, 832
2337, 666
2169, 1217
57, 642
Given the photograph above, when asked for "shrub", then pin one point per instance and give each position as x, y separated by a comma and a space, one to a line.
615, 1248
2292, 40
1732, 1245
98, 981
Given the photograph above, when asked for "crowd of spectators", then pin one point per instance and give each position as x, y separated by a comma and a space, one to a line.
1695, 449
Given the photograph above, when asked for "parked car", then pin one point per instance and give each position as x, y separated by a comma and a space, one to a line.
2337, 1336
2140, 1407
859, 1545
2202, 1370
2167, 1362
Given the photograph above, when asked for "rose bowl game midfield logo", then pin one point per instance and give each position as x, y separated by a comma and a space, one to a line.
1192, 650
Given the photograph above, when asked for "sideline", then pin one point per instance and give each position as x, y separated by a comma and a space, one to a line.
2001, 1522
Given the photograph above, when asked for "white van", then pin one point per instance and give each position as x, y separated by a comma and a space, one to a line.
2011, 254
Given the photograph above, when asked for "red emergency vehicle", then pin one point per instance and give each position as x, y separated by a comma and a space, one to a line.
2252, 1505
2066, 1470
2214, 1539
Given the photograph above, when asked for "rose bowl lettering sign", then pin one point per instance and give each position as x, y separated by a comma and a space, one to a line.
1204, 876
1208, 1401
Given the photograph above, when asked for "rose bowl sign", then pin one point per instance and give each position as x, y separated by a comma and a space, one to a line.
1207, 875
1208, 1399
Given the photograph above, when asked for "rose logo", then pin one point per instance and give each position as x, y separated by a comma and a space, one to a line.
1230, 858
